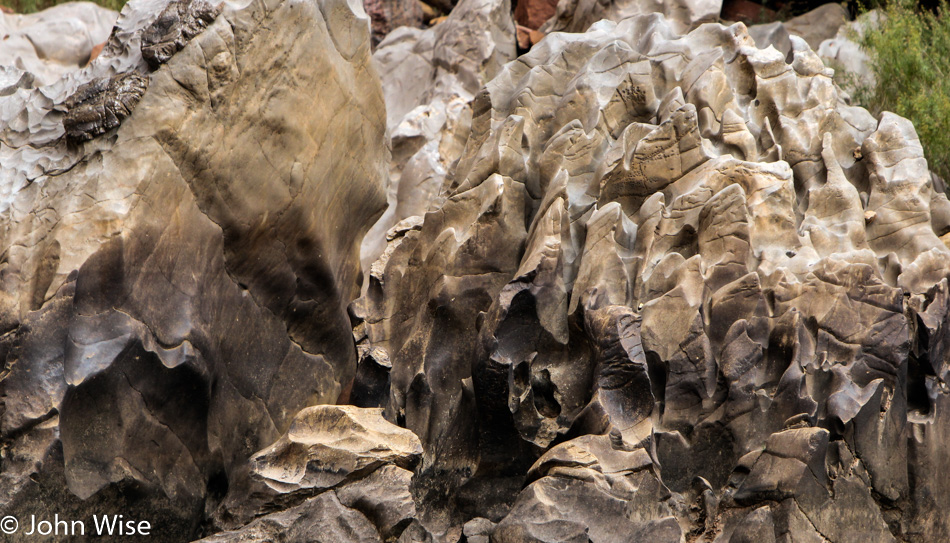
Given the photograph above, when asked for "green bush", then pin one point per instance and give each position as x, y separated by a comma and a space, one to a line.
910, 59
30, 6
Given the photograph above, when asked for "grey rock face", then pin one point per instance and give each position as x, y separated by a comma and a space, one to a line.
178, 259
816, 26
682, 15
841, 53
674, 288
429, 78
634, 285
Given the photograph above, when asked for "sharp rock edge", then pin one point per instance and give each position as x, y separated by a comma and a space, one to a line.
670, 287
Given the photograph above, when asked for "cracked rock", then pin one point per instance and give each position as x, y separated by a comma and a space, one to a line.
327, 444
180, 21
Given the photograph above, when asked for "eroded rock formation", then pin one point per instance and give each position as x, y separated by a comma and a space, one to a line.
429, 77
682, 15
48, 44
675, 288
178, 258
634, 285
340, 473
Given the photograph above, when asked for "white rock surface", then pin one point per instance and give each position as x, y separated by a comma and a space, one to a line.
55, 41
842, 53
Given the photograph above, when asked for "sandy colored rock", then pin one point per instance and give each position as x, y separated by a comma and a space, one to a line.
326, 444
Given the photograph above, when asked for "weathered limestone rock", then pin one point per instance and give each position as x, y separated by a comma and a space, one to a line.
674, 286
327, 444
55, 41
588, 490
178, 259
429, 77
579, 15
634, 285
322, 519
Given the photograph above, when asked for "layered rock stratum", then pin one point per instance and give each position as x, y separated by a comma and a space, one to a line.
645, 282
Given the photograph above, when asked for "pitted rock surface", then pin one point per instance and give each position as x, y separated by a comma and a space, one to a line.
99, 106
429, 78
180, 21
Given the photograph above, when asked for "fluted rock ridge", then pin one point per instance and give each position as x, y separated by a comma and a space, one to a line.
674, 286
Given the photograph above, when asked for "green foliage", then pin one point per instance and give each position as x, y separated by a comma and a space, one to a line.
30, 6
910, 60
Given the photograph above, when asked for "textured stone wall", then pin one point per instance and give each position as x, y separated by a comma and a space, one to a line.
674, 288
180, 240
645, 282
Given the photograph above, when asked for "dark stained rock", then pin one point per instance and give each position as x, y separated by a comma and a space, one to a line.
387, 15
180, 21
174, 289
99, 106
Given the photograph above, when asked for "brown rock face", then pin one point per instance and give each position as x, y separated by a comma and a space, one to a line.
634, 285
355, 462
533, 13
176, 271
